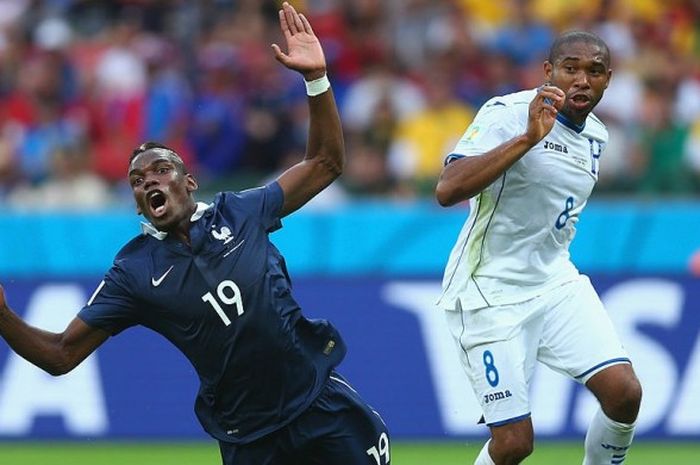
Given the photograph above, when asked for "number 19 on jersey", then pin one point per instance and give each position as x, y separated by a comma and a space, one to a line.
229, 294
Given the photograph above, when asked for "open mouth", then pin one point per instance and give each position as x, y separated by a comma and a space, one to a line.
157, 201
580, 100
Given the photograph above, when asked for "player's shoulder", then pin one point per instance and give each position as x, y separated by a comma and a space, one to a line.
132, 257
238, 196
514, 103
237, 202
134, 252
250, 200
245, 195
595, 128
515, 99
135, 247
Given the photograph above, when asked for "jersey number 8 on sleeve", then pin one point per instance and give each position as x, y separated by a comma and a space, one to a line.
224, 291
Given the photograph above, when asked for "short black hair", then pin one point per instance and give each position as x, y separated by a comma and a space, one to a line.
146, 146
571, 37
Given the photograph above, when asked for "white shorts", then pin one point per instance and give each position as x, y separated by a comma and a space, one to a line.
567, 329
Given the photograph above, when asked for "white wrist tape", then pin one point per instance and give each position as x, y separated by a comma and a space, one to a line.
317, 86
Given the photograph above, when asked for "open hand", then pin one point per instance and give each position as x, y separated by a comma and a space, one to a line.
543, 112
304, 52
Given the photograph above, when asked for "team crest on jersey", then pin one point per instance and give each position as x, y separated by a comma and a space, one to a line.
471, 133
224, 234
561, 148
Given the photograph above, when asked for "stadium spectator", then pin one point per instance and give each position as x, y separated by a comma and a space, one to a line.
117, 98
421, 139
620, 109
42, 118
168, 96
524, 39
663, 143
207, 278
70, 185
367, 172
216, 129
375, 49
692, 153
380, 84
52, 38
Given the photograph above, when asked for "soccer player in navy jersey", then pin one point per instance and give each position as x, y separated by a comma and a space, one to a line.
207, 278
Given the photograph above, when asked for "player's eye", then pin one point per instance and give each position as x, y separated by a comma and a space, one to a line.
136, 182
163, 170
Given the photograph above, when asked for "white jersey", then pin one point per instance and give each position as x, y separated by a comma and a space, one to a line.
515, 244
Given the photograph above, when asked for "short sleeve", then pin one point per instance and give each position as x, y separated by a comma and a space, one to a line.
264, 202
495, 124
111, 307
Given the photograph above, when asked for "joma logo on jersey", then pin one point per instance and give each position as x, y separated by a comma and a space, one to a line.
556, 147
498, 395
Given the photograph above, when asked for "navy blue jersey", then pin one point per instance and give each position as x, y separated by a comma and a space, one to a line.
226, 303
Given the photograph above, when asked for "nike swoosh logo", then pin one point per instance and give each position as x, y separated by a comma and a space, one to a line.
234, 248
156, 282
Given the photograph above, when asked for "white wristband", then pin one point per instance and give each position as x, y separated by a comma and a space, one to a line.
317, 86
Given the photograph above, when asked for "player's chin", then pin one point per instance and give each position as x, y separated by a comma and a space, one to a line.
577, 110
160, 222
581, 107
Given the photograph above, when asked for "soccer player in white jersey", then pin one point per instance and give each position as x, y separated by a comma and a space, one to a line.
528, 163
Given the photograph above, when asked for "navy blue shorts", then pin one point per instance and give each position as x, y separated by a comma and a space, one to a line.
338, 428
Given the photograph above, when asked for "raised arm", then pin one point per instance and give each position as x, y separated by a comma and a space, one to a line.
54, 353
464, 178
325, 151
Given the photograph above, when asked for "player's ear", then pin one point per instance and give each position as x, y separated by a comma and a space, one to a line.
548, 67
138, 210
191, 183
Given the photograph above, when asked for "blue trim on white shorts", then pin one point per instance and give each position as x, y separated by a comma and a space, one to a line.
509, 420
607, 362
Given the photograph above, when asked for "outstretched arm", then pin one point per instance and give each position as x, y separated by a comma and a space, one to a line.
54, 353
466, 177
325, 151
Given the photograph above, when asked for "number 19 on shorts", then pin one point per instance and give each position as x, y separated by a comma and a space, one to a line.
380, 452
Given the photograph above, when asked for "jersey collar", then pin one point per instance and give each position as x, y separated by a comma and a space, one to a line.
570, 124
148, 228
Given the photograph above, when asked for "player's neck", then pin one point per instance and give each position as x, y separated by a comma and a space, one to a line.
577, 121
181, 230
182, 234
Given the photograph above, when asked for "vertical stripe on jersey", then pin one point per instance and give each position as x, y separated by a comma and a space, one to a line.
477, 234
466, 241
483, 236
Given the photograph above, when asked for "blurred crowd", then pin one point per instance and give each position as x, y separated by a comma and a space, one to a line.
82, 83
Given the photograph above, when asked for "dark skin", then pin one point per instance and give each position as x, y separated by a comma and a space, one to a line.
582, 71
160, 173
576, 82
157, 176
617, 389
